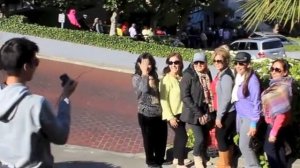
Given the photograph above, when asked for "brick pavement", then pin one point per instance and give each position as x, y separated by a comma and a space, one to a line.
104, 107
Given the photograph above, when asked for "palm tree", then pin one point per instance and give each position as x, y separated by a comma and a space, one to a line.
283, 12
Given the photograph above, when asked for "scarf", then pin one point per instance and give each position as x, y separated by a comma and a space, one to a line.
276, 99
237, 83
208, 95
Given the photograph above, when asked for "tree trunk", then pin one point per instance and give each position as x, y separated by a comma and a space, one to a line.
182, 20
113, 23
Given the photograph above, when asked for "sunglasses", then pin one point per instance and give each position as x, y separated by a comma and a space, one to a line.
240, 63
175, 62
218, 61
278, 70
199, 62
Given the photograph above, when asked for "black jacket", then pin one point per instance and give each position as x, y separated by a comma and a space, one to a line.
192, 96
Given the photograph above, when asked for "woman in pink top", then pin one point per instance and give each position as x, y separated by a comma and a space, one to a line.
73, 19
276, 104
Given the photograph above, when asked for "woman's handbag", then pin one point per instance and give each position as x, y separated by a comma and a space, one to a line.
256, 142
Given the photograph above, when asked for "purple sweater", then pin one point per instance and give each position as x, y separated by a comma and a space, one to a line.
250, 106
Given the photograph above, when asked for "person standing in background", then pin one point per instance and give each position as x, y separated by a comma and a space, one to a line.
97, 26
172, 105
84, 22
132, 31
119, 31
154, 129
72, 19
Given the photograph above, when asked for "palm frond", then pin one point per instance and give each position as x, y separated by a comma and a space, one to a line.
286, 12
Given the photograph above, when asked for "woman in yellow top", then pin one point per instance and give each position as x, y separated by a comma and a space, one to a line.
172, 105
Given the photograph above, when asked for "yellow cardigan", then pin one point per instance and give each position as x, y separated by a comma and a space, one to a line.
170, 97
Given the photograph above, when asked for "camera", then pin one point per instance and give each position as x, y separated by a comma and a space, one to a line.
64, 79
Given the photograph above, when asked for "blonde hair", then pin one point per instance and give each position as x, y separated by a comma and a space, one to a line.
225, 47
224, 53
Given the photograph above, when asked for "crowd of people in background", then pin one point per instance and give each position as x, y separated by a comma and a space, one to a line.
189, 37
232, 102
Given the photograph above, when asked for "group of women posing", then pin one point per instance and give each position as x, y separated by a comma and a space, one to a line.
233, 102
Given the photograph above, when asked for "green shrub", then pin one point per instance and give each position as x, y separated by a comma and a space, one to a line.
17, 24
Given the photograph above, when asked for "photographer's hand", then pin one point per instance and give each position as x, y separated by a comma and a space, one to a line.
69, 88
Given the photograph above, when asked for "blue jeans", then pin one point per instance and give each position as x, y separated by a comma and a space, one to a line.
201, 137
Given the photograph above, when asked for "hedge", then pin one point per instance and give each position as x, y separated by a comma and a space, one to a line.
17, 24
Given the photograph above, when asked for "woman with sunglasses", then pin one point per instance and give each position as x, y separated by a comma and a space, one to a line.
197, 104
276, 106
247, 100
222, 86
154, 129
172, 105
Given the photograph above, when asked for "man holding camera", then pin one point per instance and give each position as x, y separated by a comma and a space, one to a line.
28, 123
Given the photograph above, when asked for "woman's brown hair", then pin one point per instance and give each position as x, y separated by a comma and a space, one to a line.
167, 68
224, 53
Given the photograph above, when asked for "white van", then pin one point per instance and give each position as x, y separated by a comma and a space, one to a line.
263, 47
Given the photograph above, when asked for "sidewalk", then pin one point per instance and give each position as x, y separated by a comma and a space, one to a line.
70, 156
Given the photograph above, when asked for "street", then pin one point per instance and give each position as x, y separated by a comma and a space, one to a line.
103, 105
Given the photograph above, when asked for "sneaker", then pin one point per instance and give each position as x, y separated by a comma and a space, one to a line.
154, 166
209, 163
167, 162
181, 166
186, 161
175, 161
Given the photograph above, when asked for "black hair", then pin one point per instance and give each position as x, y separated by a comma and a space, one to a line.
152, 62
15, 53
167, 68
248, 75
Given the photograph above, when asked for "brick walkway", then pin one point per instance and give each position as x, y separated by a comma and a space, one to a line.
104, 109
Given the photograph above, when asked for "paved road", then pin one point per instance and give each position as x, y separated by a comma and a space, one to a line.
104, 105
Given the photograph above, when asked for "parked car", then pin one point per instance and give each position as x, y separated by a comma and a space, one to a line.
263, 47
283, 39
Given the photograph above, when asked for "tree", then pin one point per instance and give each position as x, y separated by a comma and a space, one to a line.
158, 9
116, 7
284, 12
63, 4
